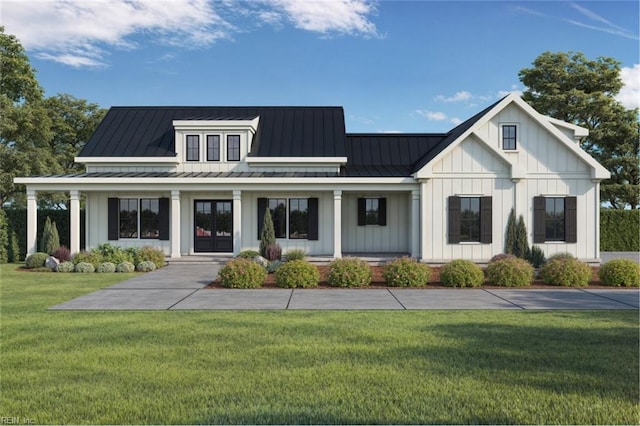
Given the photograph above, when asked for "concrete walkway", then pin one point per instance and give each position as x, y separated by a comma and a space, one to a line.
180, 287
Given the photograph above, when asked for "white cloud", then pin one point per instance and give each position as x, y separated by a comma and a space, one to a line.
455, 120
629, 96
458, 97
514, 89
80, 33
432, 115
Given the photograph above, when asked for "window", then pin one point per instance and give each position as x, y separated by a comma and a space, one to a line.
470, 220
372, 211
298, 218
193, 148
149, 218
128, 218
233, 148
509, 133
278, 209
213, 148
554, 219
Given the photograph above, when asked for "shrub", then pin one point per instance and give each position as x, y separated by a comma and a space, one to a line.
349, 272
510, 234
36, 260
406, 272
297, 273
268, 234
62, 253
501, 256
4, 237
125, 267
248, 254
510, 272
66, 267
620, 272
242, 273
561, 256
114, 254
93, 257
13, 248
522, 241
50, 240
85, 267
611, 222
536, 256
106, 267
273, 252
565, 271
273, 266
146, 266
296, 254
150, 254
461, 273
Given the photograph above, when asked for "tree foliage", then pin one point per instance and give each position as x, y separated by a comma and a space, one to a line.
570, 87
268, 235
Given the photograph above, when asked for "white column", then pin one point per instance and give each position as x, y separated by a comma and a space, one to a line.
415, 224
32, 222
337, 224
74, 221
237, 222
597, 220
424, 242
175, 223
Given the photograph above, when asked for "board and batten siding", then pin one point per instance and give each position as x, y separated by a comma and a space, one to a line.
393, 238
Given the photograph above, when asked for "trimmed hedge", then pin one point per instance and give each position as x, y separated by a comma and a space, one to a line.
565, 270
510, 272
242, 273
619, 230
297, 273
406, 272
349, 272
620, 272
461, 273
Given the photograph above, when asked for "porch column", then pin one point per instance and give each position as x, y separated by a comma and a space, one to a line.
175, 223
424, 241
74, 221
415, 224
237, 222
337, 224
32, 222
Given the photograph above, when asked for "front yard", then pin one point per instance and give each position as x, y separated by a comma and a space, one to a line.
286, 367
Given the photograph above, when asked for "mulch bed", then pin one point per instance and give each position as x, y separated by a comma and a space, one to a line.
434, 281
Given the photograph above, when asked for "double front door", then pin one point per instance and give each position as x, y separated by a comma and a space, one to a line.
213, 226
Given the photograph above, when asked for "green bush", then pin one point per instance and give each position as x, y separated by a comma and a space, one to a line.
125, 267
268, 235
114, 254
248, 254
406, 272
242, 273
50, 240
106, 267
510, 272
150, 254
274, 266
4, 237
349, 272
297, 273
461, 273
296, 254
620, 272
93, 257
561, 256
66, 267
146, 266
611, 222
13, 248
36, 260
536, 256
565, 271
85, 267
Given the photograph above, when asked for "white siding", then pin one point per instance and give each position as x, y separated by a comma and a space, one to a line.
471, 156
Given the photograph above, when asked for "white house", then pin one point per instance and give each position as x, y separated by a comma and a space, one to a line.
194, 180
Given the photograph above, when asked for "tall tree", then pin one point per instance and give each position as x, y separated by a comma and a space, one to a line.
575, 89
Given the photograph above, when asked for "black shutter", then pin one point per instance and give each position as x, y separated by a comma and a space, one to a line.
113, 213
539, 219
454, 220
570, 220
362, 211
312, 219
382, 211
163, 219
486, 221
262, 207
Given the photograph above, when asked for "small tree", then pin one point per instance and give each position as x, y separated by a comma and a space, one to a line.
268, 235
510, 237
50, 240
521, 248
4, 240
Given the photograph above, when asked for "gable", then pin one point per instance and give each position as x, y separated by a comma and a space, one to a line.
471, 156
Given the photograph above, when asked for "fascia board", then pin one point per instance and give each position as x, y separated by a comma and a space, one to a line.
578, 131
216, 124
297, 161
127, 160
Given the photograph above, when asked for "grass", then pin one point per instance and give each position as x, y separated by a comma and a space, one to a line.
163, 367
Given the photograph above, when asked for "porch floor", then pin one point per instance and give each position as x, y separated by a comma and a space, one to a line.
221, 259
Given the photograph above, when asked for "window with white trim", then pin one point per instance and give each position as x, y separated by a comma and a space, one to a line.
509, 137
233, 147
213, 147
193, 148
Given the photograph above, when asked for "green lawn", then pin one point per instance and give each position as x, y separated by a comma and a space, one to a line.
308, 367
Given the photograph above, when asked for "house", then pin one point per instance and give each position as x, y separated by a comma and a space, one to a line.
193, 180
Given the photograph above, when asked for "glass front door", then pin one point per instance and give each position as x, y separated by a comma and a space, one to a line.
213, 226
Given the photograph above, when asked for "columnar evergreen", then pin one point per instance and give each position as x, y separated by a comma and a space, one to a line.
268, 235
521, 248
3, 237
510, 237
50, 240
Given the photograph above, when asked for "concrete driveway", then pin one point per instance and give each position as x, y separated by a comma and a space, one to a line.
180, 287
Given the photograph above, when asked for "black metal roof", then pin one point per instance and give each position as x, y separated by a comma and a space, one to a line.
282, 131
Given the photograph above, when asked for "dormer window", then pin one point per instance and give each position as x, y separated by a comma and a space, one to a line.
233, 148
509, 137
213, 147
193, 148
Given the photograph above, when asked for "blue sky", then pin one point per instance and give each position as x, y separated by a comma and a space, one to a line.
395, 66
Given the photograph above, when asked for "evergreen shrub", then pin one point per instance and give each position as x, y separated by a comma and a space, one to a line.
406, 272
510, 272
242, 273
612, 221
85, 267
66, 267
93, 257
248, 254
106, 267
146, 266
565, 270
36, 260
297, 273
115, 254
349, 272
4, 237
125, 267
620, 272
461, 273
536, 256
274, 266
268, 235
50, 240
